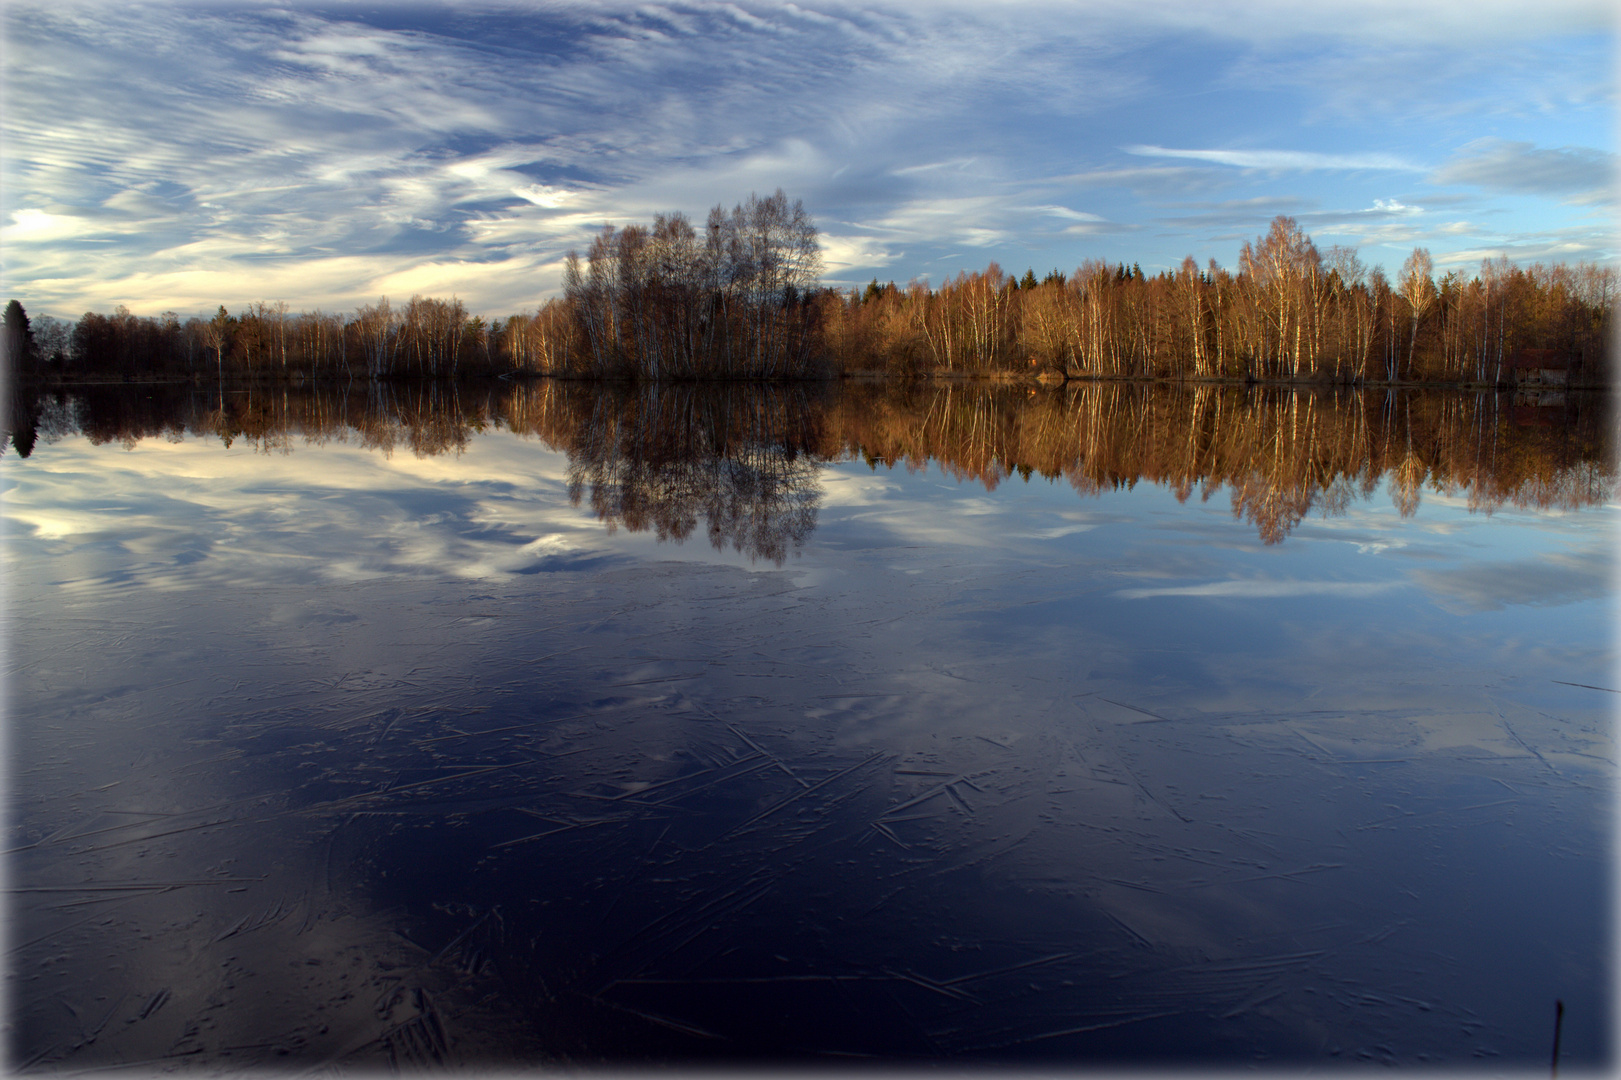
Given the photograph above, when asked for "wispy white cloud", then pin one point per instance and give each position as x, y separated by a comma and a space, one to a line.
499, 507
1582, 174
1592, 240
1393, 206
1281, 160
1552, 580
1384, 22
1414, 79
179, 156
1263, 590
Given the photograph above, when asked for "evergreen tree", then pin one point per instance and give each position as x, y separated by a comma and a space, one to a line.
19, 341
17, 358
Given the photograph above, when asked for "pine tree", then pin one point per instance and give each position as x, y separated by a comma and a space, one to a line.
16, 357
19, 340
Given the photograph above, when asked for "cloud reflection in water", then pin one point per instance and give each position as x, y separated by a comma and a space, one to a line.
1069, 778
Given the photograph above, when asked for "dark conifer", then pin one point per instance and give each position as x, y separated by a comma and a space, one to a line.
19, 339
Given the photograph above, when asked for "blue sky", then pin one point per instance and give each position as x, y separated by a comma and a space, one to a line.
180, 156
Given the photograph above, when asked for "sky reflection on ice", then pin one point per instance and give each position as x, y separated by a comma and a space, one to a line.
990, 776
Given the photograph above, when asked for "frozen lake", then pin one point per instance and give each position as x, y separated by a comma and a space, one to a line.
1074, 727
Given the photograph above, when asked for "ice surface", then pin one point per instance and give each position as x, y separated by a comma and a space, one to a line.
326, 759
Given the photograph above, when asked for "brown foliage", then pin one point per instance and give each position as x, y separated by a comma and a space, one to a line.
739, 300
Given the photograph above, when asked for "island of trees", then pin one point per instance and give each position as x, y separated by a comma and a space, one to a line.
741, 298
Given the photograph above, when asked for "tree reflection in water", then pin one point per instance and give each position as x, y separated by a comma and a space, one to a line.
664, 811
656, 458
744, 456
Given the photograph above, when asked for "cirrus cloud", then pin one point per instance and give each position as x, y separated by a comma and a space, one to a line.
1281, 160
1581, 174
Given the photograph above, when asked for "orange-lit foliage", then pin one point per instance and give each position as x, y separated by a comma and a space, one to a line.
739, 300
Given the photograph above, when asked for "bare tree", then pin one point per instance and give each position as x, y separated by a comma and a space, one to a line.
1417, 287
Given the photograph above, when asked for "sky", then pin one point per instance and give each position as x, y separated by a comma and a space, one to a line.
181, 156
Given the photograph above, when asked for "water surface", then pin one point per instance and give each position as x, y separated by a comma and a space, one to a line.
550, 724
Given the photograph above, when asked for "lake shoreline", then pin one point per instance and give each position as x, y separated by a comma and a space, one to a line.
1050, 379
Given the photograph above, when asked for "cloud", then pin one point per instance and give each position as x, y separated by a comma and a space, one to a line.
1264, 590
1385, 22
1545, 582
1393, 207
252, 135
1386, 221
1280, 160
34, 224
1142, 180
841, 253
1419, 81
499, 507
1581, 174
1597, 247
283, 153
975, 220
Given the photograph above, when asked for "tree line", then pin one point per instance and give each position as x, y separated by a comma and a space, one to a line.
740, 299
1288, 313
